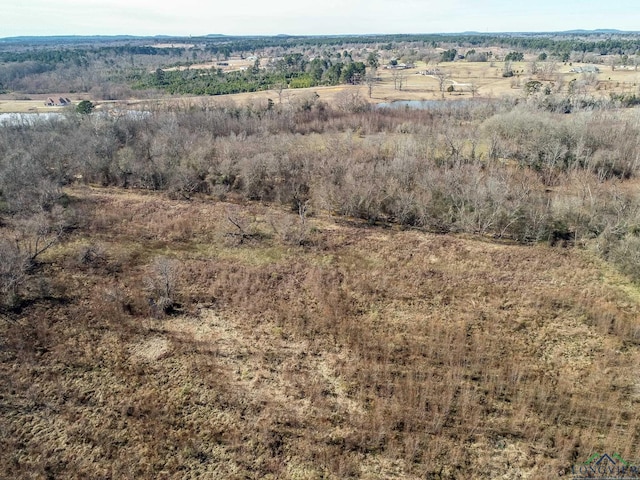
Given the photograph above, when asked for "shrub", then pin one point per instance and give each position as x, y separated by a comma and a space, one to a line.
85, 107
161, 285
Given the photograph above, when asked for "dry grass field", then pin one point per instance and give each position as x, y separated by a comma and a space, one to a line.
484, 78
369, 352
35, 103
32, 105
231, 65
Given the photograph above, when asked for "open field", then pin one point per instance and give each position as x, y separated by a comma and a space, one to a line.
35, 103
232, 64
26, 106
370, 353
487, 80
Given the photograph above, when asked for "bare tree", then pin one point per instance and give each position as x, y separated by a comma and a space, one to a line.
279, 87
442, 77
370, 79
546, 70
351, 101
162, 283
290, 230
39, 233
614, 61
398, 79
13, 268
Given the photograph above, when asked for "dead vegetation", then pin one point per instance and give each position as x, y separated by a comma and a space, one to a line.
301, 291
368, 353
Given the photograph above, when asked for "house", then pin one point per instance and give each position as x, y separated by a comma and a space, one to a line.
399, 66
60, 102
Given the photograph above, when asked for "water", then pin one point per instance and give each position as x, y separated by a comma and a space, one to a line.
15, 119
28, 118
425, 104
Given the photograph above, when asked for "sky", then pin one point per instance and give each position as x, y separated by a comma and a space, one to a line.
299, 17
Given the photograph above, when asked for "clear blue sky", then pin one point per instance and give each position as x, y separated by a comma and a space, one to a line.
199, 17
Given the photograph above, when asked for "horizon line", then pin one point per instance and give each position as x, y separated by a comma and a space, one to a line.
274, 35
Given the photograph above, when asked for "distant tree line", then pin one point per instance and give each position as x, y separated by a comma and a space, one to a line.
557, 44
617, 44
109, 68
81, 56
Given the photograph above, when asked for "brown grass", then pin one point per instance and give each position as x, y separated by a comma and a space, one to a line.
486, 76
368, 353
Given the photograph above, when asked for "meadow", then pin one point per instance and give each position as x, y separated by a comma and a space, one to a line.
368, 352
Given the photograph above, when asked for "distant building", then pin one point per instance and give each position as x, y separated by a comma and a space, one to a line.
60, 102
399, 66
585, 69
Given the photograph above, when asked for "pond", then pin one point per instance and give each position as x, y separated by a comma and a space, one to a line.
28, 118
425, 104
15, 119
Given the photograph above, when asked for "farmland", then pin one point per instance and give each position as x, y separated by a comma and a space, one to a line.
481, 80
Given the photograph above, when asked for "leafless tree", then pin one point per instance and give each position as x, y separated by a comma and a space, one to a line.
370, 80
279, 87
442, 76
398, 79
546, 70
559, 82
162, 283
351, 101
13, 268
37, 234
290, 230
